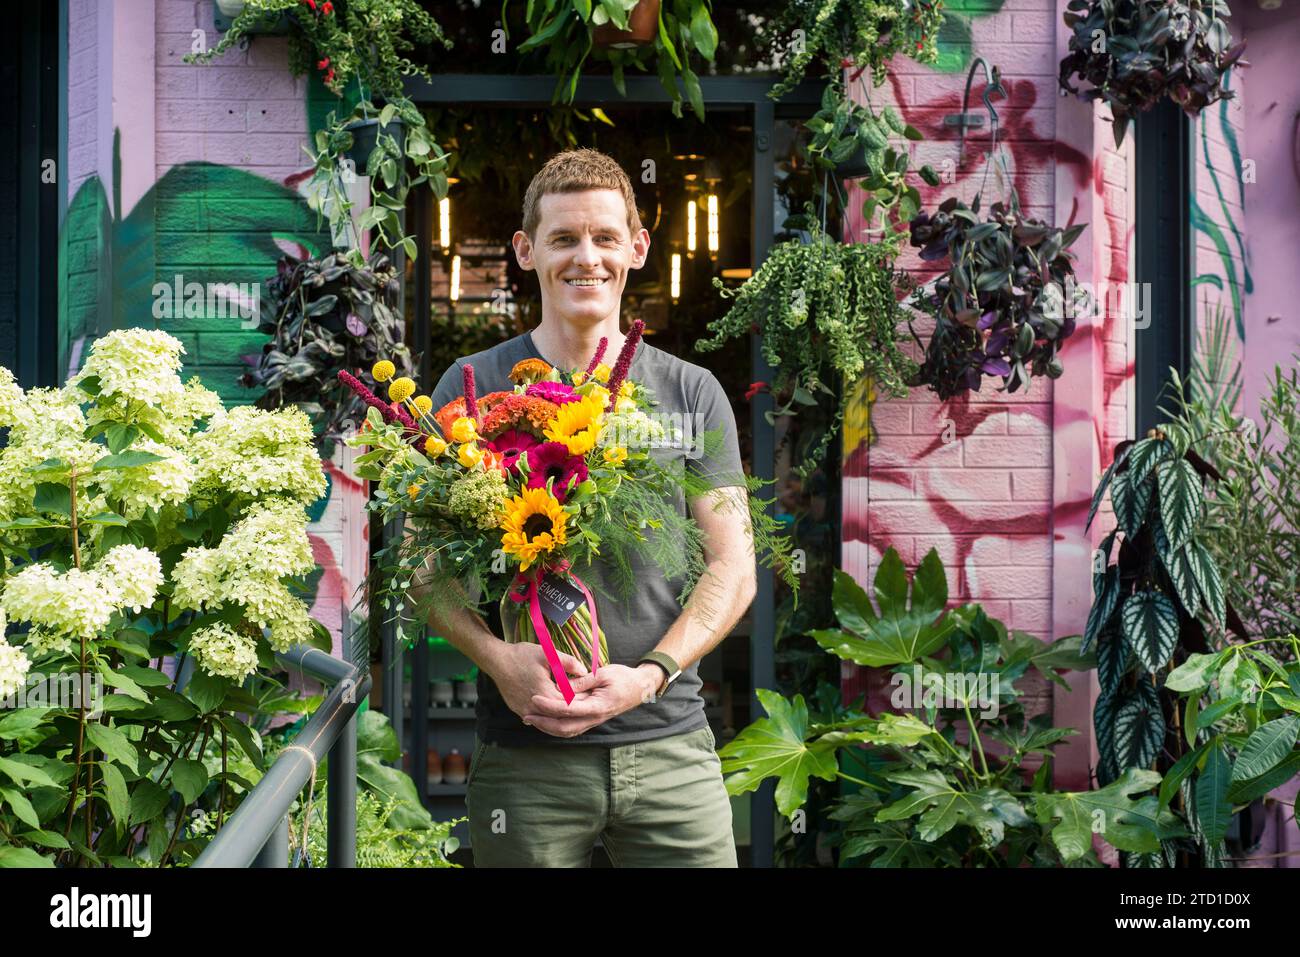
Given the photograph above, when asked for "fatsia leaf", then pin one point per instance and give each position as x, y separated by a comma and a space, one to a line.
1125, 823
903, 730
1180, 500
943, 807
1150, 624
902, 632
852, 606
893, 844
1139, 727
1213, 809
1266, 747
776, 746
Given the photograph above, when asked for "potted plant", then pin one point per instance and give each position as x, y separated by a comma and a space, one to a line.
999, 307
324, 315
955, 774
1131, 53
852, 141
865, 34
828, 314
625, 24
362, 42
142, 522
566, 31
403, 157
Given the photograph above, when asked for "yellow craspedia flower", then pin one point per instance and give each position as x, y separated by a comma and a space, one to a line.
413, 489
535, 525
423, 404
463, 429
616, 455
469, 455
401, 389
434, 446
383, 370
578, 424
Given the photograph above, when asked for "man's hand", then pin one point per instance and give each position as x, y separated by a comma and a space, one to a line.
612, 690
522, 675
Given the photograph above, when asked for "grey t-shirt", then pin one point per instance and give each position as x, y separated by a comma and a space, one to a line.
634, 627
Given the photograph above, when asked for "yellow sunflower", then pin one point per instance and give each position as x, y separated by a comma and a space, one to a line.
535, 525
578, 424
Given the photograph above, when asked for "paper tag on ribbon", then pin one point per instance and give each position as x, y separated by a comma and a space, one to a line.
558, 598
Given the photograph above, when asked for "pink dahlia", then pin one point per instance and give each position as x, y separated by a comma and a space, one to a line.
556, 392
551, 460
511, 444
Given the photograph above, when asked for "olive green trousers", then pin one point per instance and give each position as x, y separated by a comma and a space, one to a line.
657, 803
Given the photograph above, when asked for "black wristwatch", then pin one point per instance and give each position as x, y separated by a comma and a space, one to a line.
670, 669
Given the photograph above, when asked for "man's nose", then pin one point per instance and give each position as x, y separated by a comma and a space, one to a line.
586, 254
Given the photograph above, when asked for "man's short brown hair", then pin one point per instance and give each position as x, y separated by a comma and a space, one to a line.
575, 171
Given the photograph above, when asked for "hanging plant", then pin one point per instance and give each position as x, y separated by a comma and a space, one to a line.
366, 41
1131, 53
828, 315
567, 31
864, 34
403, 157
323, 316
998, 308
851, 141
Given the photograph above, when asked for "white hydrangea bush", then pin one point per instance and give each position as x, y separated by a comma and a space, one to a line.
140, 520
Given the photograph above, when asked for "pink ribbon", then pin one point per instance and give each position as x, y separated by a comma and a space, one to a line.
539, 621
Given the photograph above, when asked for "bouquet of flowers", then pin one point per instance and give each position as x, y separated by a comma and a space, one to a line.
513, 492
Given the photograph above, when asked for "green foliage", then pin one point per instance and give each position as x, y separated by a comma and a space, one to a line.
404, 156
1158, 609
1252, 526
133, 772
565, 30
365, 42
828, 315
850, 139
865, 34
1132, 53
999, 309
948, 779
324, 315
381, 841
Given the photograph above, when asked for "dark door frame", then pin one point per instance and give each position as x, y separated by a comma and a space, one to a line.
1164, 140
41, 142
720, 92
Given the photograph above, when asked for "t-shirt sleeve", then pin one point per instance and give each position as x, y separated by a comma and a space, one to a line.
715, 454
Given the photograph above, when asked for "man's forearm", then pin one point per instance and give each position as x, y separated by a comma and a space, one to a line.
719, 600
465, 629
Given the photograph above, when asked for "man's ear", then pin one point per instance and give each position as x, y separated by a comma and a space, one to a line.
640, 248
523, 250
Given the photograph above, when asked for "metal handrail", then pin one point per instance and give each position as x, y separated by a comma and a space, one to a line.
257, 834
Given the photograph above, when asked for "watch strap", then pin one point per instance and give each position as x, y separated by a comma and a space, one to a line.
670, 667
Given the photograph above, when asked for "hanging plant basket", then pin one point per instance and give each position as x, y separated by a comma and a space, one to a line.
642, 22
999, 310
365, 135
1133, 53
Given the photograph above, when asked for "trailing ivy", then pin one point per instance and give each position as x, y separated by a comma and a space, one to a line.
828, 313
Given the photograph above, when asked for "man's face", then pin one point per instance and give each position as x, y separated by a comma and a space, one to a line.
582, 253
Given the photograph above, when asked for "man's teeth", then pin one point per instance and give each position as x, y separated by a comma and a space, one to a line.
584, 282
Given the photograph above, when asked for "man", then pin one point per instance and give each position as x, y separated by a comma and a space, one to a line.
631, 759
